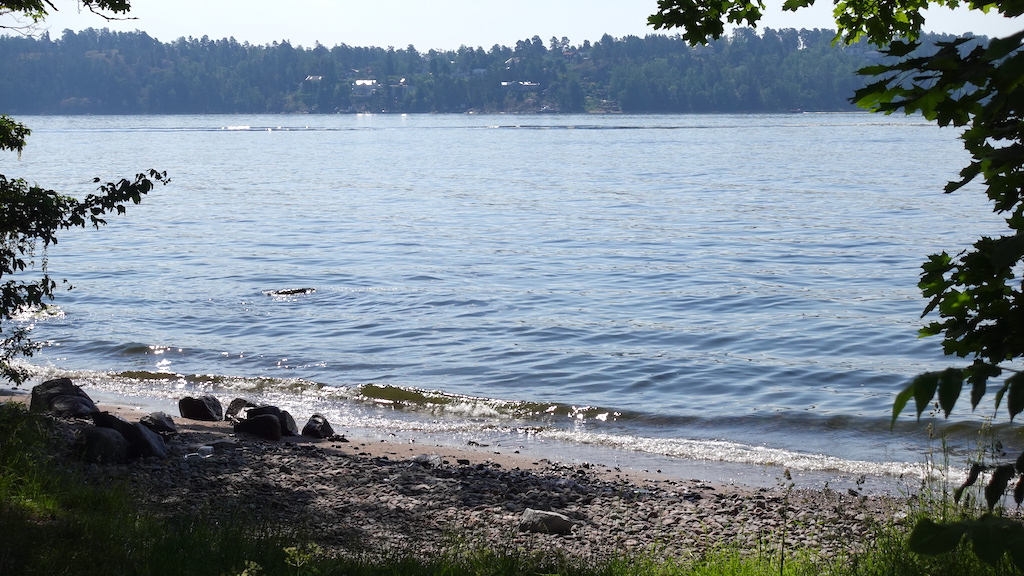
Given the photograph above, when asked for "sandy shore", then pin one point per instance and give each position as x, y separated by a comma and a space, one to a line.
374, 494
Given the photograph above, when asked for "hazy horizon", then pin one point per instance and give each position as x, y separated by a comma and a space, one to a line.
444, 24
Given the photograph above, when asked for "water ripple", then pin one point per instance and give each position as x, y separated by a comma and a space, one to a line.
676, 270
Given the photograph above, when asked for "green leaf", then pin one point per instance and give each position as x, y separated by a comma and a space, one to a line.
930, 538
1002, 47
924, 390
1015, 394
999, 396
901, 402
1007, 251
993, 536
972, 477
987, 543
955, 302
996, 486
875, 71
977, 393
978, 375
900, 49
794, 5
951, 382
1016, 549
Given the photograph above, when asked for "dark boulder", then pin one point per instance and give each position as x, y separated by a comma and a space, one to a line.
544, 522
159, 422
260, 410
113, 421
145, 442
289, 292
206, 408
318, 427
43, 393
72, 406
288, 425
267, 426
225, 445
102, 445
62, 397
236, 407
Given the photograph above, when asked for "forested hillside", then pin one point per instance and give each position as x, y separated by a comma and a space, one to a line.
103, 72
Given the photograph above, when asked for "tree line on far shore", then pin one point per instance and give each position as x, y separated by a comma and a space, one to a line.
105, 72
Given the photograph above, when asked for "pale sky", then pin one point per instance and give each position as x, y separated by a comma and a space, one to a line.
439, 24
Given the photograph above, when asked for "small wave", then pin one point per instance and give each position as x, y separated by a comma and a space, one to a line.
136, 349
247, 128
436, 415
437, 402
736, 453
170, 385
778, 122
31, 313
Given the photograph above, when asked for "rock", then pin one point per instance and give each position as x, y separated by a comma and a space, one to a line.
289, 292
236, 407
266, 426
260, 410
102, 445
159, 422
429, 460
288, 425
206, 408
318, 427
145, 442
72, 406
225, 445
544, 522
112, 421
62, 397
43, 393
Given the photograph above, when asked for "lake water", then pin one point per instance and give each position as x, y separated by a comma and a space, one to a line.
721, 295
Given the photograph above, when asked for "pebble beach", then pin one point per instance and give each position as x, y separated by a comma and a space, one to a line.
351, 494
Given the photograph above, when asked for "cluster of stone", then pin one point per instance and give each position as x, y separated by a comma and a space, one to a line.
113, 440
260, 420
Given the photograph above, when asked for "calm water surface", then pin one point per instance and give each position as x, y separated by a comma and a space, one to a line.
648, 290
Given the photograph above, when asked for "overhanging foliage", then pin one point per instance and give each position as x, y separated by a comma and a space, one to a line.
32, 216
977, 294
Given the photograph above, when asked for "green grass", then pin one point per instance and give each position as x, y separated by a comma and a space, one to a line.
53, 522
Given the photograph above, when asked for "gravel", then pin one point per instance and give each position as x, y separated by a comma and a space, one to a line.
351, 496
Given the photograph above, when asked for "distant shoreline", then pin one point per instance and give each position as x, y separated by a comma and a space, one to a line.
767, 71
